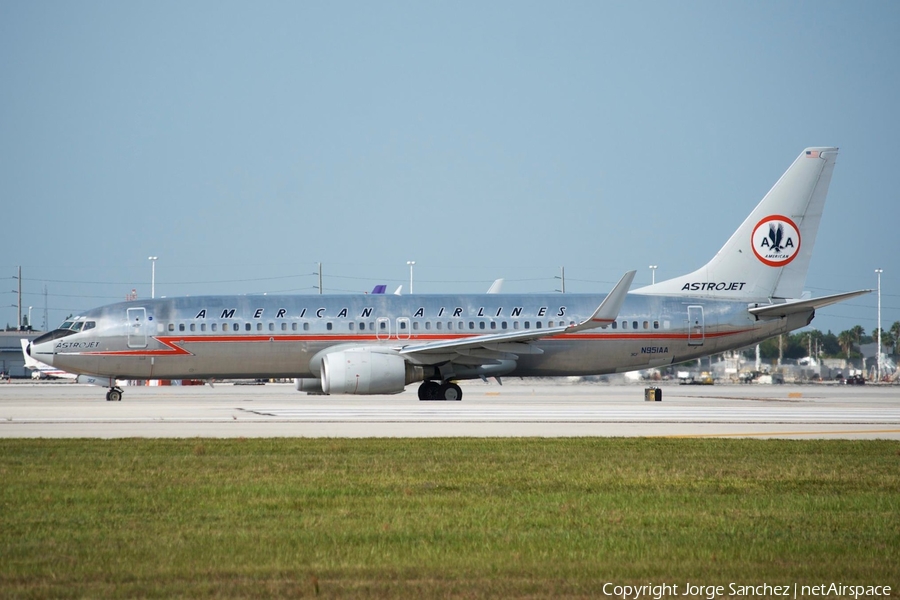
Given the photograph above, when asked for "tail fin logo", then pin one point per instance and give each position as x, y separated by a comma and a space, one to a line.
776, 240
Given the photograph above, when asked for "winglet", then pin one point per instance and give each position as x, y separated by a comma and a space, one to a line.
609, 308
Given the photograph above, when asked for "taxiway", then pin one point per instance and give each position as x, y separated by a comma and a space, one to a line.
518, 408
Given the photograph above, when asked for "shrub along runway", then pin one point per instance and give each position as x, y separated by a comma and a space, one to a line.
518, 408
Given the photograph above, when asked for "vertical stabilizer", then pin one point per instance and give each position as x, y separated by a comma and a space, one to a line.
768, 256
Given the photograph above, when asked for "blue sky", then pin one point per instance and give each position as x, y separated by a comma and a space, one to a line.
242, 143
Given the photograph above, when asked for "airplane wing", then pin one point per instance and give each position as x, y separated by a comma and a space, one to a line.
515, 341
774, 311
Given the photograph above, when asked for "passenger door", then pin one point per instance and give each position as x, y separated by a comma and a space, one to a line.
137, 327
695, 326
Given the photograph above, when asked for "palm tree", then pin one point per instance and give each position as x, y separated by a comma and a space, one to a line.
858, 332
845, 339
895, 331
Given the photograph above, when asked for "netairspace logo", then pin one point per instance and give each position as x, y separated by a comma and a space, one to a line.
651, 591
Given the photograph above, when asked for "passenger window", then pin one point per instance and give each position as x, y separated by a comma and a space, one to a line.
515, 324
259, 326
306, 327
427, 324
213, 327
350, 325
666, 324
171, 326
415, 325
329, 326
224, 326
271, 326
402, 324
634, 324
449, 325
481, 325
615, 325
624, 324
493, 325
284, 326
362, 326
382, 325
437, 325
471, 325
655, 324
527, 324
503, 325
293, 327
537, 324
202, 326
461, 326
248, 327
646, 324
180, 327
193, 327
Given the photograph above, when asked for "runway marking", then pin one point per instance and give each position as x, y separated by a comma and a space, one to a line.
779, 433
649, 414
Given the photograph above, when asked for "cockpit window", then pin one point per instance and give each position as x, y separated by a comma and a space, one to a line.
66, 325
77, 326
89, 325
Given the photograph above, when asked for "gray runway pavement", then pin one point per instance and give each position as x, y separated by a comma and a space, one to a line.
518, 408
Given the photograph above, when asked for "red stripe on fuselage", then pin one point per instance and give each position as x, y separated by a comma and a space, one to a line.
172, 349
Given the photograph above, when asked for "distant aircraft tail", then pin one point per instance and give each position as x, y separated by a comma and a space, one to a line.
767, 258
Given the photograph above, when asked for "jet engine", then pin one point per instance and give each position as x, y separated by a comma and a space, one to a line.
308, 385
366, 372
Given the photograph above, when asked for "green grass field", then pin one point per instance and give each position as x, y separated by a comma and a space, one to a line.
414, 518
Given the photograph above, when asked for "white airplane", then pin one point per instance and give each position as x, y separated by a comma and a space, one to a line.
377, 344
41, 370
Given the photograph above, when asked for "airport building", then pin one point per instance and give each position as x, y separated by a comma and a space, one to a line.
12, 363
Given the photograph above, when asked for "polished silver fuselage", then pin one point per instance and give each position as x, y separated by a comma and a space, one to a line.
207, 337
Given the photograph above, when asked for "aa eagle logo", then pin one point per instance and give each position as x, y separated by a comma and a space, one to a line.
776, 240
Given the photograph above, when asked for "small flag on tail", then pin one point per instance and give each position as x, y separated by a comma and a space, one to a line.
812, 154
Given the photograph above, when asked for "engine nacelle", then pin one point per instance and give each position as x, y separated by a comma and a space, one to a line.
366, 372
309, 385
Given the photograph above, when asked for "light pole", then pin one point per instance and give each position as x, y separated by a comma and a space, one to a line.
411, 264
29, 317
878, 273
152, 260
653, 274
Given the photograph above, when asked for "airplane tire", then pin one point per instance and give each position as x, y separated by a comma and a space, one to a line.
114, 396
450, 391
429, 390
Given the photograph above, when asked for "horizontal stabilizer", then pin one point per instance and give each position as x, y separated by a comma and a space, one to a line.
784, 309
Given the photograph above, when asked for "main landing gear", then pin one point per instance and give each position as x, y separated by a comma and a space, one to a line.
114, 395
435, 390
